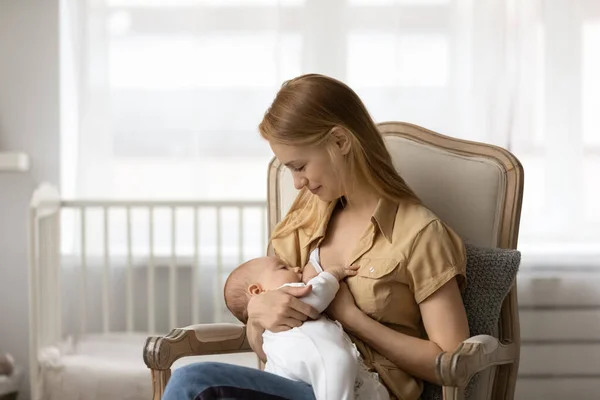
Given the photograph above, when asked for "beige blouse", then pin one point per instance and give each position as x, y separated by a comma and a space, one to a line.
405, 255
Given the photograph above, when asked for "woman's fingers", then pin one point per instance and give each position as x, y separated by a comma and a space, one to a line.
291, 322
303, 308
278, 308
280, 328
297, 315
286, 324
297, 304
297, 291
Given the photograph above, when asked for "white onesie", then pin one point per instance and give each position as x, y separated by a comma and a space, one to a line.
319, 352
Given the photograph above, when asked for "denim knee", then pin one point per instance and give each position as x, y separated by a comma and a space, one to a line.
193, 371
214, 380
187, 381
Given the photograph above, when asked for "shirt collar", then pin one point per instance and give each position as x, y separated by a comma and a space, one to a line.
321, 229
383, 217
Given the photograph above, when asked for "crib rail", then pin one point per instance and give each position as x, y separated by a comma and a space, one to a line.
47, 254
82, 205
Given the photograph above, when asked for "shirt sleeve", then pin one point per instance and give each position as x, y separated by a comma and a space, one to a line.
324, 289
437, 255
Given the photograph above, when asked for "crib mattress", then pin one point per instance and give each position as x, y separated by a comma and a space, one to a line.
108, 367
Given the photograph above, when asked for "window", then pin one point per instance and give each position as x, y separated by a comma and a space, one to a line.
171, 92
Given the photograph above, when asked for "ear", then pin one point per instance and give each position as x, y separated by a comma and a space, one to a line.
255, 289
341, 138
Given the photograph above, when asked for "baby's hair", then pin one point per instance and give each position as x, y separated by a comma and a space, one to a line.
236, 289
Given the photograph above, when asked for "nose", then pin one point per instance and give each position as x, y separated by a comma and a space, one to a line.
299, 182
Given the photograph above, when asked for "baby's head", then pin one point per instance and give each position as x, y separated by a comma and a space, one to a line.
254, 277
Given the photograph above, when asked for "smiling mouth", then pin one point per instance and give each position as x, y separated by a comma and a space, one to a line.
315, 190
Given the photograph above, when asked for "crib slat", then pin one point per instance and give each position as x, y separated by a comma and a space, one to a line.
46, 285
83, 289
106, 276
219, 287
241, 234
150, 288
195, 272
44, 295
57, 275
263, 229
53, 313
34, 295
173, 274
48, 281
129, 278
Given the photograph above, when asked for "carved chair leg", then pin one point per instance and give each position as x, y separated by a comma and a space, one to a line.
159, 382
505, 381
453, 393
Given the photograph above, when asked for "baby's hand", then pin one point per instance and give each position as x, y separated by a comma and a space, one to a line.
343, 272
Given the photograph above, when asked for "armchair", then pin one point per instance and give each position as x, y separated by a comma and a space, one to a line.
477, 189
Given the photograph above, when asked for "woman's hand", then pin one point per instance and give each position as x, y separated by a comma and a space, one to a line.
280, 310
343, 307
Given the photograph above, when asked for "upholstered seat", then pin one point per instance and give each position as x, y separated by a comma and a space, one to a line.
477, 189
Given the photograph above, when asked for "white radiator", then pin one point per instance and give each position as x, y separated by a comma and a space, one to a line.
560, 333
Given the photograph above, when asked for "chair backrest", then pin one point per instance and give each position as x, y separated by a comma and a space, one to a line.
475, 188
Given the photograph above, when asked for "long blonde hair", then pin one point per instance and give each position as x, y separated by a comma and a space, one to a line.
304, 112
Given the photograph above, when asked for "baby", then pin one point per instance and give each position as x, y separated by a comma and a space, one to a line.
318, 352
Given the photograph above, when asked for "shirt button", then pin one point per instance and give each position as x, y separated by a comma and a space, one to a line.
371, 270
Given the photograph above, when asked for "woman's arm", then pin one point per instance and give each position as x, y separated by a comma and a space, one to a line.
254, 334
277, 311
324, 287
445, 322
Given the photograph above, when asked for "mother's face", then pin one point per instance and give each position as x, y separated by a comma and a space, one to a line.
311, 167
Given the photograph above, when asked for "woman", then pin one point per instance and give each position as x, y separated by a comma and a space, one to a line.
404, 307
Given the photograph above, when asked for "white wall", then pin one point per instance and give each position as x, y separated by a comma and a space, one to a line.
29, 122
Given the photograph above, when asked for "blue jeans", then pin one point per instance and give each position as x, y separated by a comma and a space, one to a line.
212, 381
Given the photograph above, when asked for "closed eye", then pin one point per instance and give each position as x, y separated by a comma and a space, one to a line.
295, 165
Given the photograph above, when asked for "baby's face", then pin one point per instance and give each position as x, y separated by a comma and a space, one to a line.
275, 274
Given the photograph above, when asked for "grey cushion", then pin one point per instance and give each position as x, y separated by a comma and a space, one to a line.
490, 274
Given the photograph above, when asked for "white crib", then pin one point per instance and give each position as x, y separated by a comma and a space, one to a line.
97, 291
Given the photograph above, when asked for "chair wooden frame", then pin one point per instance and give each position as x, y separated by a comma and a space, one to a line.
454, 369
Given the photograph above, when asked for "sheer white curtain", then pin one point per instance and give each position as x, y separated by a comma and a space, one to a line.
165, 95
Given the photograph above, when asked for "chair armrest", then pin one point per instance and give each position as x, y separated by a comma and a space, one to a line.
160, 352
473, 355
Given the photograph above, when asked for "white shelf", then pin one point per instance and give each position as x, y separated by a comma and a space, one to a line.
13, 162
